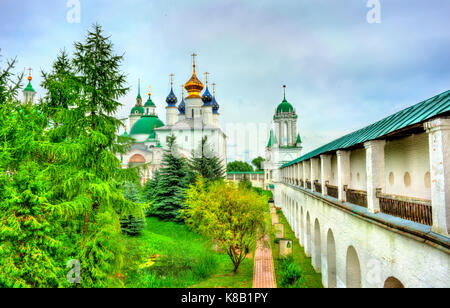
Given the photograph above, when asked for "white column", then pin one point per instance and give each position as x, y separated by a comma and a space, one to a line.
289, 132
325, 174
343, 165
304, 174
439, 143
375, 170
314, 172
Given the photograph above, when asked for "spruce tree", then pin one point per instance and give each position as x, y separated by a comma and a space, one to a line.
132, 225
167, 190
205, 163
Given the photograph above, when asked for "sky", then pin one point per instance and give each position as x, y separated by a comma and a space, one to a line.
342, 73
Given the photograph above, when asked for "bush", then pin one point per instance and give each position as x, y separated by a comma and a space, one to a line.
291, 275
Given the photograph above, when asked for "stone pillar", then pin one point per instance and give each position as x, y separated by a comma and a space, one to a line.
314, 172
325, 174
376, 174
304, 174
439, 143
343, 166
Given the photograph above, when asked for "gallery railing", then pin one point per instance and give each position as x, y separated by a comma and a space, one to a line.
358, 197
308, 184
332, 191
318, 187
414, 209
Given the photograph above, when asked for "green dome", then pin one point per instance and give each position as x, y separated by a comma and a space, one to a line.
29, 88
285, 106
146, 125
149, 103
140, 110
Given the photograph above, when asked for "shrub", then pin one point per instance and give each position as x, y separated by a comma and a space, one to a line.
291, 275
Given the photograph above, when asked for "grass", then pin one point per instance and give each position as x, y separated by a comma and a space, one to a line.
170, 255
311, 279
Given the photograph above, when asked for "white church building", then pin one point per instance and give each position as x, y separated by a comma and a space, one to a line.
191, 120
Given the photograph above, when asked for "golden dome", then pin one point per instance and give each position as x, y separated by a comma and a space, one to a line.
194, 86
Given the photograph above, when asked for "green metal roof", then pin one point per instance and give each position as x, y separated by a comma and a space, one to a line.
137, 110
272, 139
149, 102
146, 125
29, 88
407, 117
285, 106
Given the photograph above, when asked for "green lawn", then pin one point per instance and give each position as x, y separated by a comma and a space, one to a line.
170, 255
310, 277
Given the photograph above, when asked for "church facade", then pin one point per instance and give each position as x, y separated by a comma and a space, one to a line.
193, 118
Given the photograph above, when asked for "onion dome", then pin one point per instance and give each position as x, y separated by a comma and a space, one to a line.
207, 98
171, 100
194, 86
182, 105
214, 103
149, 102
146, 125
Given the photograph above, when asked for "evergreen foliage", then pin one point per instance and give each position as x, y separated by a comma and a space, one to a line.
130, 224
31, 252
60, 180
205, 163
167, 190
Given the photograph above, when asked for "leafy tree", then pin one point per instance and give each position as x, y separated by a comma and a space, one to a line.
84, 170
232, 216
257, 162
205, 163
166, 191
31, 252
239, 166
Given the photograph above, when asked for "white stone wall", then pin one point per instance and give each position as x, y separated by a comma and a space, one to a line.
334, 170
382, 253
358, 169
410, 155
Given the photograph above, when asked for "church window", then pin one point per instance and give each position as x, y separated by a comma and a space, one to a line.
407, 179
391, 179
427, 180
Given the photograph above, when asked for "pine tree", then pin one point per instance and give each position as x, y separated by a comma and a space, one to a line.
168, 188
205, 163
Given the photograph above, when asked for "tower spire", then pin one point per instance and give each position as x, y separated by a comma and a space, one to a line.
193, 60
182, 91
206, 78
214, 89
171, 80
284, 88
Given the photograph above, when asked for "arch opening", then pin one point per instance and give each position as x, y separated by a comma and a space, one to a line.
331, 260
308, 236
393, 283
353, 269
317, 247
